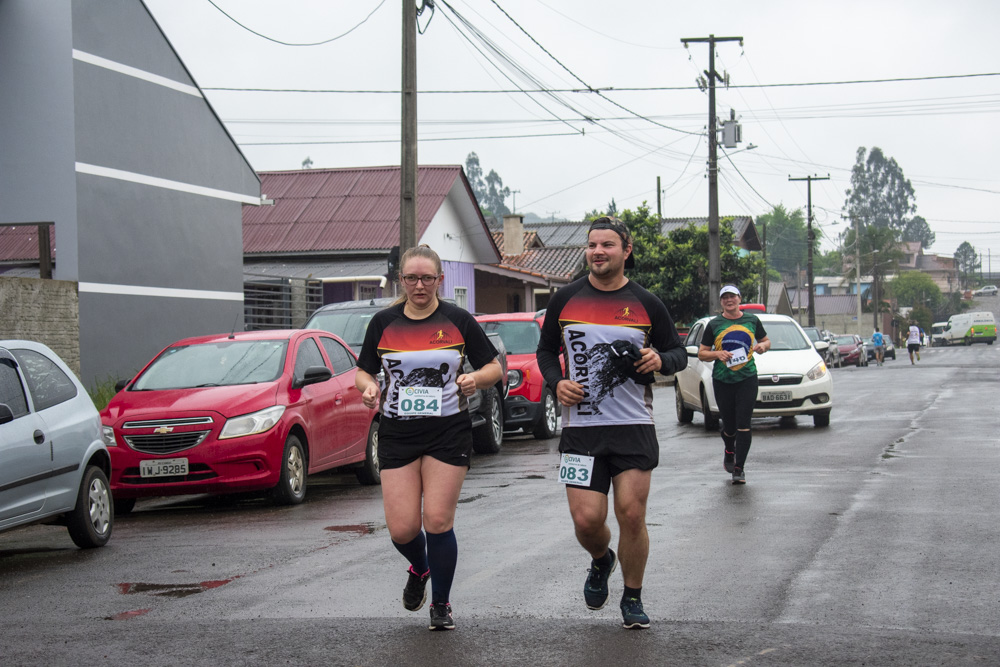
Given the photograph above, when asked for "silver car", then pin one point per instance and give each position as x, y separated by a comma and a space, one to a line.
55, 463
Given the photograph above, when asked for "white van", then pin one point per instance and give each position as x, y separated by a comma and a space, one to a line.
937, 334
969, 328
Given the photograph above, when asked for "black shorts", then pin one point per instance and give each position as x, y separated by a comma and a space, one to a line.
913, 347
615, 449
403, 441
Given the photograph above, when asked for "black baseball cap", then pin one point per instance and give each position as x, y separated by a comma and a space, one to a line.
617, 226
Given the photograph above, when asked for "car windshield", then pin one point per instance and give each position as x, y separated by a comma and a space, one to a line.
813, 334
215, 365
846, 340
786, 336
517, 337
350, 325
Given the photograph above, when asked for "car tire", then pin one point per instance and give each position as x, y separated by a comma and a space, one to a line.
124, 506
547, 422
486, 439
821, 419
368, 474
711, 420
968, 341
291, 488
684, 414
92, 520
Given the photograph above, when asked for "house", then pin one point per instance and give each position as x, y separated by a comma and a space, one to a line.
335, 229
110, 144
565, 233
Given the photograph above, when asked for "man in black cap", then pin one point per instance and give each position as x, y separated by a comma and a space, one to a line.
598, 323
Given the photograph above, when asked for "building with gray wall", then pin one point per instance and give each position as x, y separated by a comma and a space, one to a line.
104, 132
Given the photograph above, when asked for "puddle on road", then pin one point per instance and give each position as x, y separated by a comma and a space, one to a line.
357, 529
533, 477
478, 496
172, 590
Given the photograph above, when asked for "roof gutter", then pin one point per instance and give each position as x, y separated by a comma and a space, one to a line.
353, 279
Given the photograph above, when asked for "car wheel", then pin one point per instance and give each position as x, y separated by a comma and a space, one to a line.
546, 426
711, 420
91, 521
822, 419
486, 439
291, 488
368, 474
124, 506
684, 414
968, 341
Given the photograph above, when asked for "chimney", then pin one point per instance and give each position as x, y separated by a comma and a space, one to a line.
513, 234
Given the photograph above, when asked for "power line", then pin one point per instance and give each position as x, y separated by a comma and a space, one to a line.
278, 41
396, 141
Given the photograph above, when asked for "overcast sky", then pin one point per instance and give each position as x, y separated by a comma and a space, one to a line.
944, 133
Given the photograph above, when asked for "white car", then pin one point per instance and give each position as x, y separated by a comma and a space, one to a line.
986, 290
793, 379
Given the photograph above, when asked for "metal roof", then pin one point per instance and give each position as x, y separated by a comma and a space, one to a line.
575, 233
347, 268
20, 242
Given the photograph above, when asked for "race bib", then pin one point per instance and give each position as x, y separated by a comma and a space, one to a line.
576, 469
420, 402
739, 357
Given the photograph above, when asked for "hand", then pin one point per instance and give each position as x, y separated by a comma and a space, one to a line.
650, 361
370, 396
759, 348
466, 384
569, 393
723, 355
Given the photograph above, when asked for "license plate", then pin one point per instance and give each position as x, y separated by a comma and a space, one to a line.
775, 396
163, 468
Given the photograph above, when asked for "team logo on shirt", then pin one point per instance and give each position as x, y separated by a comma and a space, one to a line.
441, 337
627, 314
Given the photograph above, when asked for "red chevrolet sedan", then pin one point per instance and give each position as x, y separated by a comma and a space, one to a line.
257, 410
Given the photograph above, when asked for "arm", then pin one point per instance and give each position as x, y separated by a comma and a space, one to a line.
486, 376
763, 345
368, 386
706, 353
665, 353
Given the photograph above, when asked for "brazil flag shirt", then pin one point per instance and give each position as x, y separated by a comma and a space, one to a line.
737, 336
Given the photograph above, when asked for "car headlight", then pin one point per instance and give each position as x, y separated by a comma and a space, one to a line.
257, 422
514, 379
108, 433
818, 371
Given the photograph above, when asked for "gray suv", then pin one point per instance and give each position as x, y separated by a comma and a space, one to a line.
55, 464
349, 320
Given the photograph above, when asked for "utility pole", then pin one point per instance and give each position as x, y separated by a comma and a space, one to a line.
659, 209
513, 203
810, 239
763, 278
857, 265
408, 171
714, 265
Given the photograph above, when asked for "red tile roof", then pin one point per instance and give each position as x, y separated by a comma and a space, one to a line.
21, 242
320, 210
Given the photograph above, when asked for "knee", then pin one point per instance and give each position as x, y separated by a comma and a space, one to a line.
438, 523
587, 520
632, 519
404, 534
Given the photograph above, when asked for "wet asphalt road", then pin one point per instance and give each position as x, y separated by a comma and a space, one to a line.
872, 541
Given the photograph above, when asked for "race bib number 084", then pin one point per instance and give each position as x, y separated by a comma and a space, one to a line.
576, 469
420, 402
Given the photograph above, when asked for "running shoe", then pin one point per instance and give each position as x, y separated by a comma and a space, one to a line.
595, 591
633, 617
738, 476
415, 592
727, 461
441, 617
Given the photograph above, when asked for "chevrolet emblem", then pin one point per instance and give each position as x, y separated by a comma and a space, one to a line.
164, 429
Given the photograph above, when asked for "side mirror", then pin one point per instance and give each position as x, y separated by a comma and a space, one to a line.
314, 375
692, 350
821, 345
121, 384
6, 415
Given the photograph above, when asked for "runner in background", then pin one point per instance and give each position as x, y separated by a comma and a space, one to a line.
913, 341
879, 342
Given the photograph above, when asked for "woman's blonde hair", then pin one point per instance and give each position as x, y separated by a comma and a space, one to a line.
423, 251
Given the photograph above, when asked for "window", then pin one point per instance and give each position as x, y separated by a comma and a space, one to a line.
462, 297
11, 391
47, 383
340, 358
366, 292
694, 336
308, 356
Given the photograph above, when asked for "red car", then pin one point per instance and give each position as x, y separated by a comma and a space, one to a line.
240, 412
530, 405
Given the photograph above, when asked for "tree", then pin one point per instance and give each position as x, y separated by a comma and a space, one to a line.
967, 262
490, 191
787, 240
917, 229
880, 195
612, 207
915, 288
830, 263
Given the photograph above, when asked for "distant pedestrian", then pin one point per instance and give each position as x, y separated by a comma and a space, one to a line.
913, 341
879, 342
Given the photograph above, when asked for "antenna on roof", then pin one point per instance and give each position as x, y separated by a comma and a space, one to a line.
232, 334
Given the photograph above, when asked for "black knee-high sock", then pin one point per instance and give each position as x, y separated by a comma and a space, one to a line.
442, 553
743, 439
415, 551
729, 441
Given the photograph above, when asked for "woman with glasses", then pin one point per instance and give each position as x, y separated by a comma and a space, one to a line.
425, 430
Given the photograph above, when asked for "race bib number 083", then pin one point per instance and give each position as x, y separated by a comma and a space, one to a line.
576, 469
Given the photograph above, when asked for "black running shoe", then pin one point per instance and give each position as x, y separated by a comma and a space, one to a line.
415, 591
738, 477
441, 617
633, 617
727, 461
595, 590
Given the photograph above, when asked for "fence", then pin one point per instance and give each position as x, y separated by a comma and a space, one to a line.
279, 303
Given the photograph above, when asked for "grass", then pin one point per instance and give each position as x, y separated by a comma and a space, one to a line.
102, 392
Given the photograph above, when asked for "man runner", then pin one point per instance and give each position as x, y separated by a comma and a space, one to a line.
879, 342
613, 335
913, 341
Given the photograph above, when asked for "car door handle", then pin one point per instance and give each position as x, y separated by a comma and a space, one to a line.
39, 437
338, 399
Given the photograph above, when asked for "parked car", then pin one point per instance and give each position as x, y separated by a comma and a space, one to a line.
827, 350
55, 465
852, 350
986, 290
793, 378
247, 411
349, 320
530, 405
889, 350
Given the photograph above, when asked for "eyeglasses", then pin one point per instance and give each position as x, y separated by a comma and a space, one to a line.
412, 280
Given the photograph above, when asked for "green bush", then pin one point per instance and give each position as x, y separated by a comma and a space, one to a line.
102, 392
